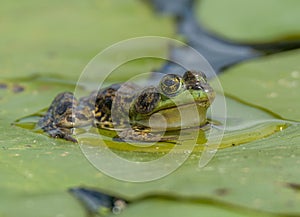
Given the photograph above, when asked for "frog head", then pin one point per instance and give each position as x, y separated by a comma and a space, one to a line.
175, 99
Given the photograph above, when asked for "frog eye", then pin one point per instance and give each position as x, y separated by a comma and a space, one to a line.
194, 79
147, 101
171, 85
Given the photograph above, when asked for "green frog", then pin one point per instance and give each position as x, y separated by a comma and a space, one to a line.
136, 113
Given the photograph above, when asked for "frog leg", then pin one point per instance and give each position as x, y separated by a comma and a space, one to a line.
56, 132
144, 135
58, 121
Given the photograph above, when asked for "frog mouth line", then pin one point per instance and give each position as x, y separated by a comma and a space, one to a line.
201, 103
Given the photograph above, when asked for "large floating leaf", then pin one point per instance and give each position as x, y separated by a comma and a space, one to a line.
35, 164
272, 82
60, 37
44, 47
36, 171
252, 21
167, 208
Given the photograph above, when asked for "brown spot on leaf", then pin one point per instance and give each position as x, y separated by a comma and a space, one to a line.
222, 191
17, 88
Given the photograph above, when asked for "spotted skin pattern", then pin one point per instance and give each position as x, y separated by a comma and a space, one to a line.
123, 107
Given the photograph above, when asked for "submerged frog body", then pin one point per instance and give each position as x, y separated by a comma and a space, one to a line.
139, 114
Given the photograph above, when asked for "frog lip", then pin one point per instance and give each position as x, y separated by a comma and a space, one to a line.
195, 103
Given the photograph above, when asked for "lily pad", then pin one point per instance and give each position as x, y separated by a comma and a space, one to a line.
35, 164
44, 47
271, 82
251, 21
60, 37
37, 171
167, 208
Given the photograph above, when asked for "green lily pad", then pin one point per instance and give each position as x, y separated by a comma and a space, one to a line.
167, 208
35, 164
44, 47
60, 37
251, 21
39, 204
271, 82
259, 177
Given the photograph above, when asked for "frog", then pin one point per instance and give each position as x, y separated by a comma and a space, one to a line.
136, 113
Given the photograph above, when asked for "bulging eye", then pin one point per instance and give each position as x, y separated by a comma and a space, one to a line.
194, 80
171, 85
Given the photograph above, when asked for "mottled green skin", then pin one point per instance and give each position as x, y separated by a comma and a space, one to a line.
128, 108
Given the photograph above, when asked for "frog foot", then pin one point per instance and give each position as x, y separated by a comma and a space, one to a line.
61, 133
134, 135
58, 133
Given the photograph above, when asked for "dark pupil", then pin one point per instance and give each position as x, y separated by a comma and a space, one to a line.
169, 82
